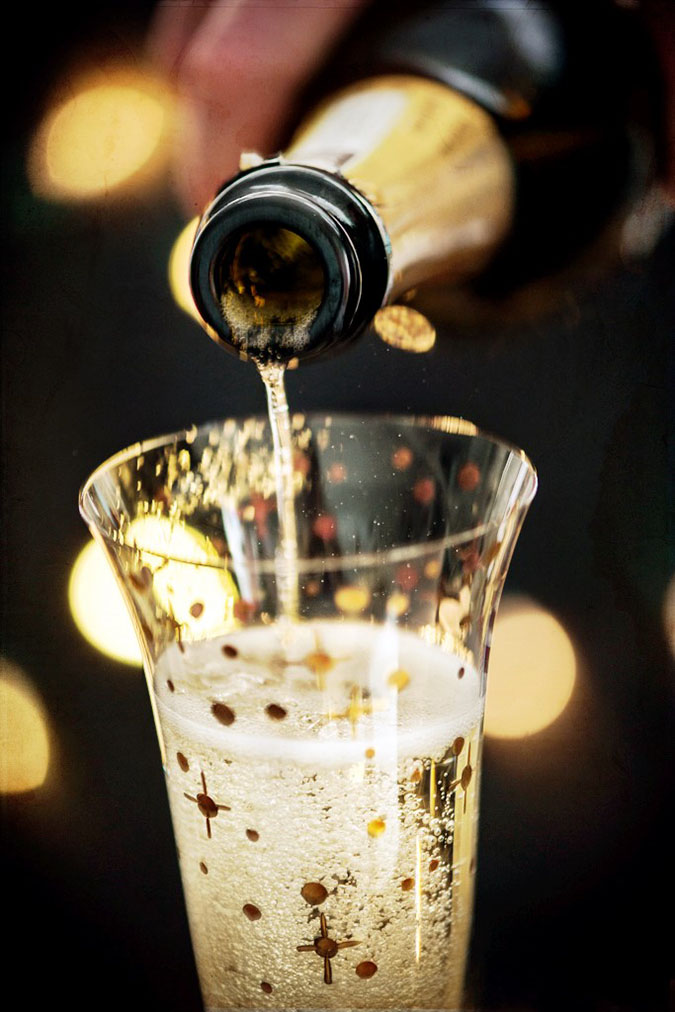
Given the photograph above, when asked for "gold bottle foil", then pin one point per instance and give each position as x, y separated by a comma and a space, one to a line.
430, 162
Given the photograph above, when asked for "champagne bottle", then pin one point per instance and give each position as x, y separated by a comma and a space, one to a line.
484, 145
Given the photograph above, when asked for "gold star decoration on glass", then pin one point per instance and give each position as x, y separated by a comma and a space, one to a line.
207, 806
318, 661
327, 948
359, 706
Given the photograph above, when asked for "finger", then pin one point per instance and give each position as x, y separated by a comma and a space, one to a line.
239, 79
170, 30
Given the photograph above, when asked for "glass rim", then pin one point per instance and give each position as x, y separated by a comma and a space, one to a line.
449, 424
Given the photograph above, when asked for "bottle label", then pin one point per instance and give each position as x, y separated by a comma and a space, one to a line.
431, 163
355, 125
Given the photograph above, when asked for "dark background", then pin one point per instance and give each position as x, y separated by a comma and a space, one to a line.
574, 903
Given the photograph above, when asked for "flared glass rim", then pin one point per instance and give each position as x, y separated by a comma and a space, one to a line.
449, 424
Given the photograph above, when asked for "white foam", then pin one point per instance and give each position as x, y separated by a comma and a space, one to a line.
292, 333
433, 708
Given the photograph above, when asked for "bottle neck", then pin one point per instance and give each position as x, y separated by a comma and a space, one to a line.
277, 269
391, 182
432, 163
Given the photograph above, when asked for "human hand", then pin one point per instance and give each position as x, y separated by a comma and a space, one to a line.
239, 68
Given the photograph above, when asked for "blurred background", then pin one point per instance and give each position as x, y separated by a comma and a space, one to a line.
574, 903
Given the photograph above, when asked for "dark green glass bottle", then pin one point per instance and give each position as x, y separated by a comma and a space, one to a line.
483, 146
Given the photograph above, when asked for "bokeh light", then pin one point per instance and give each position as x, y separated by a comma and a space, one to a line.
106, 133
405, 328
532, 670
197, 592
98, 608
179, 269
24, 738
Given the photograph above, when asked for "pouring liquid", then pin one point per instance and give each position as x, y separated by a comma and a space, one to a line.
287, 553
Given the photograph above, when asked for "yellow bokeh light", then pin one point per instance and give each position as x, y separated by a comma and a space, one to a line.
101, 137
403, 327
179, 269
24, 739
98, 608
532, 670
198, 593
352, 599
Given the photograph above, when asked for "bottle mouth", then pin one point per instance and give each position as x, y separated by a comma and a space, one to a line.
272, 284
274, 275
276, 267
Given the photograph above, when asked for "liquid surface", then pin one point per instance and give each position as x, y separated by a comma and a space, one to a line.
272, 289
323, 786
